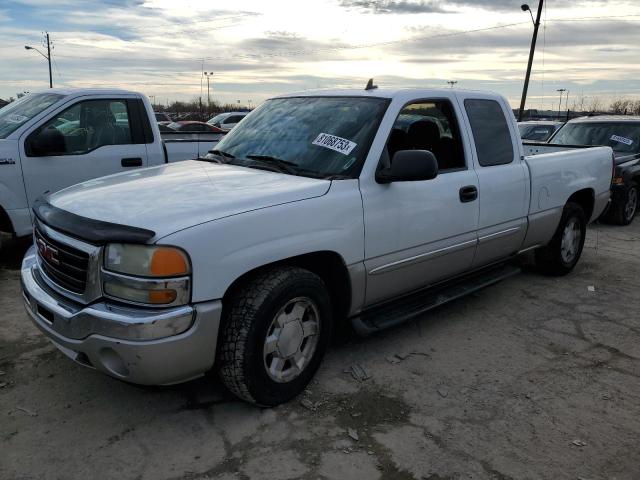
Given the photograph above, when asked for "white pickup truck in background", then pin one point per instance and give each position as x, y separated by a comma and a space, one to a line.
365, 206
56, 138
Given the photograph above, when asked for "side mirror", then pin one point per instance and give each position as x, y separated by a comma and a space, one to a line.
409, 166
45, 143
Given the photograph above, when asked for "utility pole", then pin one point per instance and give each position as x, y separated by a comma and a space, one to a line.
47, 56
49, 60
561, 90
536, 25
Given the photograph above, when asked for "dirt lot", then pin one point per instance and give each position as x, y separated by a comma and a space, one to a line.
532, 378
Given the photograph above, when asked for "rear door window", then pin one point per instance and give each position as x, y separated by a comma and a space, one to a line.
491, 132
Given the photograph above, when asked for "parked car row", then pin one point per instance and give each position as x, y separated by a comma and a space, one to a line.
223, 122
368, 207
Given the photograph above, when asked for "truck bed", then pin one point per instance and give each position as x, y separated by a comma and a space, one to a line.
553, 172
181, 145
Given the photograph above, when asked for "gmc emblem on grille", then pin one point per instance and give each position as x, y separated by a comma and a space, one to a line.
48, 252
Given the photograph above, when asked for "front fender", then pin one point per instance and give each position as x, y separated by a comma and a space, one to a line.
223, 250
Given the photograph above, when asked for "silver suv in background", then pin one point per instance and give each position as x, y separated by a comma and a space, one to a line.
228, 120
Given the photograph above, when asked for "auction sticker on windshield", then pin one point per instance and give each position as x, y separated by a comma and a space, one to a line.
626, 141
338, 144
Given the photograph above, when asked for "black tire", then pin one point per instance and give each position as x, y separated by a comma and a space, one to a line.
247, 321
550, 259
620, 212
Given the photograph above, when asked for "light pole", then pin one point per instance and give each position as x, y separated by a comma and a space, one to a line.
208, 74
561, 90
536, 25
47, 56
452, 83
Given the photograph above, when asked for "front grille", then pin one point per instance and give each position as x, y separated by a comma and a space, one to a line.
64, 265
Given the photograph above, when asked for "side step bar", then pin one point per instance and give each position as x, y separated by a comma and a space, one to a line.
410, 306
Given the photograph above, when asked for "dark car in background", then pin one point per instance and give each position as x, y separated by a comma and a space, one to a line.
162, 117
538, 131
622, 134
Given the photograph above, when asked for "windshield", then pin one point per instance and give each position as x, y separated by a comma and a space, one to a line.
622, 137
23, 110
320, 136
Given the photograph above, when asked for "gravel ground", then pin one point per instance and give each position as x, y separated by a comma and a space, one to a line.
534, 377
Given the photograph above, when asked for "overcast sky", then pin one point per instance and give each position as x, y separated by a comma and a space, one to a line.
258, 48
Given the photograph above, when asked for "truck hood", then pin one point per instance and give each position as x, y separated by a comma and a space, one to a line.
176, 196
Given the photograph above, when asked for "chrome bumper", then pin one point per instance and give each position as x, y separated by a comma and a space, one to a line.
145, 346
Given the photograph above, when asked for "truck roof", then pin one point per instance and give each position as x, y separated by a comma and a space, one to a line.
389, 93
88, 91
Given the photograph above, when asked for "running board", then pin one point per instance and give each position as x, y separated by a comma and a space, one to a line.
410, 306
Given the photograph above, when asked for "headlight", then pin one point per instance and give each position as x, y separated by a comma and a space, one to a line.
150, 275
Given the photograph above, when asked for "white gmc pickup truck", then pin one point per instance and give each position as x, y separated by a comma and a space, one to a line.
323, 207
56, 138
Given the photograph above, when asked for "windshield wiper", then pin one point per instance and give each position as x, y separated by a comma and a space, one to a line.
282, 165
211, 154
222, 154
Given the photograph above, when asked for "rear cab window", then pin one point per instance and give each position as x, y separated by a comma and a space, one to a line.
491, 134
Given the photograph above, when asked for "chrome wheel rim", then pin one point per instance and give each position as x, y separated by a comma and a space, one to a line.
570, 241
291, 339
632, 204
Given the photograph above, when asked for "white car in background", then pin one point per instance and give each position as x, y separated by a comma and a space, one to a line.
227, 120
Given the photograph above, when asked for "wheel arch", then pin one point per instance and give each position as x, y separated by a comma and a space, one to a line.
5, 222
328, 265
586, 199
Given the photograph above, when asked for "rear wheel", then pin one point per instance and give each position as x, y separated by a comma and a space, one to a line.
561, 255
623, 211
276, 330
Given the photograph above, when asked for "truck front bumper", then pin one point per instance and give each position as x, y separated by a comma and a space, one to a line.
144, 346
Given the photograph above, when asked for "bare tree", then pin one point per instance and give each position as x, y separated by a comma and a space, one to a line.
635, 107
595, 104
579, 103
621, 106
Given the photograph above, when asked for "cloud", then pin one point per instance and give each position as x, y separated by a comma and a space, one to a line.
393, 6
447, 6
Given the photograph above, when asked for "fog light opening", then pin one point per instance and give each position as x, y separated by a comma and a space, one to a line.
113, 362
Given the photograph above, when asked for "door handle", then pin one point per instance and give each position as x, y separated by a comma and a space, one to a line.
131, 162
468, 193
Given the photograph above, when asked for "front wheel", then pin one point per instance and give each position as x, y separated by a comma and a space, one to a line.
276, 329
561, 255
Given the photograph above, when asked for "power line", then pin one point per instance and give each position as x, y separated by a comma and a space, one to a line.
286, 53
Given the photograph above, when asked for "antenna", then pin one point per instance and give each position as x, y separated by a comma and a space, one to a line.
370, 85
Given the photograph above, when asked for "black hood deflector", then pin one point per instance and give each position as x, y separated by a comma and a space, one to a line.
93, 231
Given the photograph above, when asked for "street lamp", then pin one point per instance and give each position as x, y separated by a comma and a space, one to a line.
452, 82
561, 90
47, 57
208, 74
536, 26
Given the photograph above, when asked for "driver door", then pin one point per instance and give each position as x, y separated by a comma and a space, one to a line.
89, 139
421, 232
